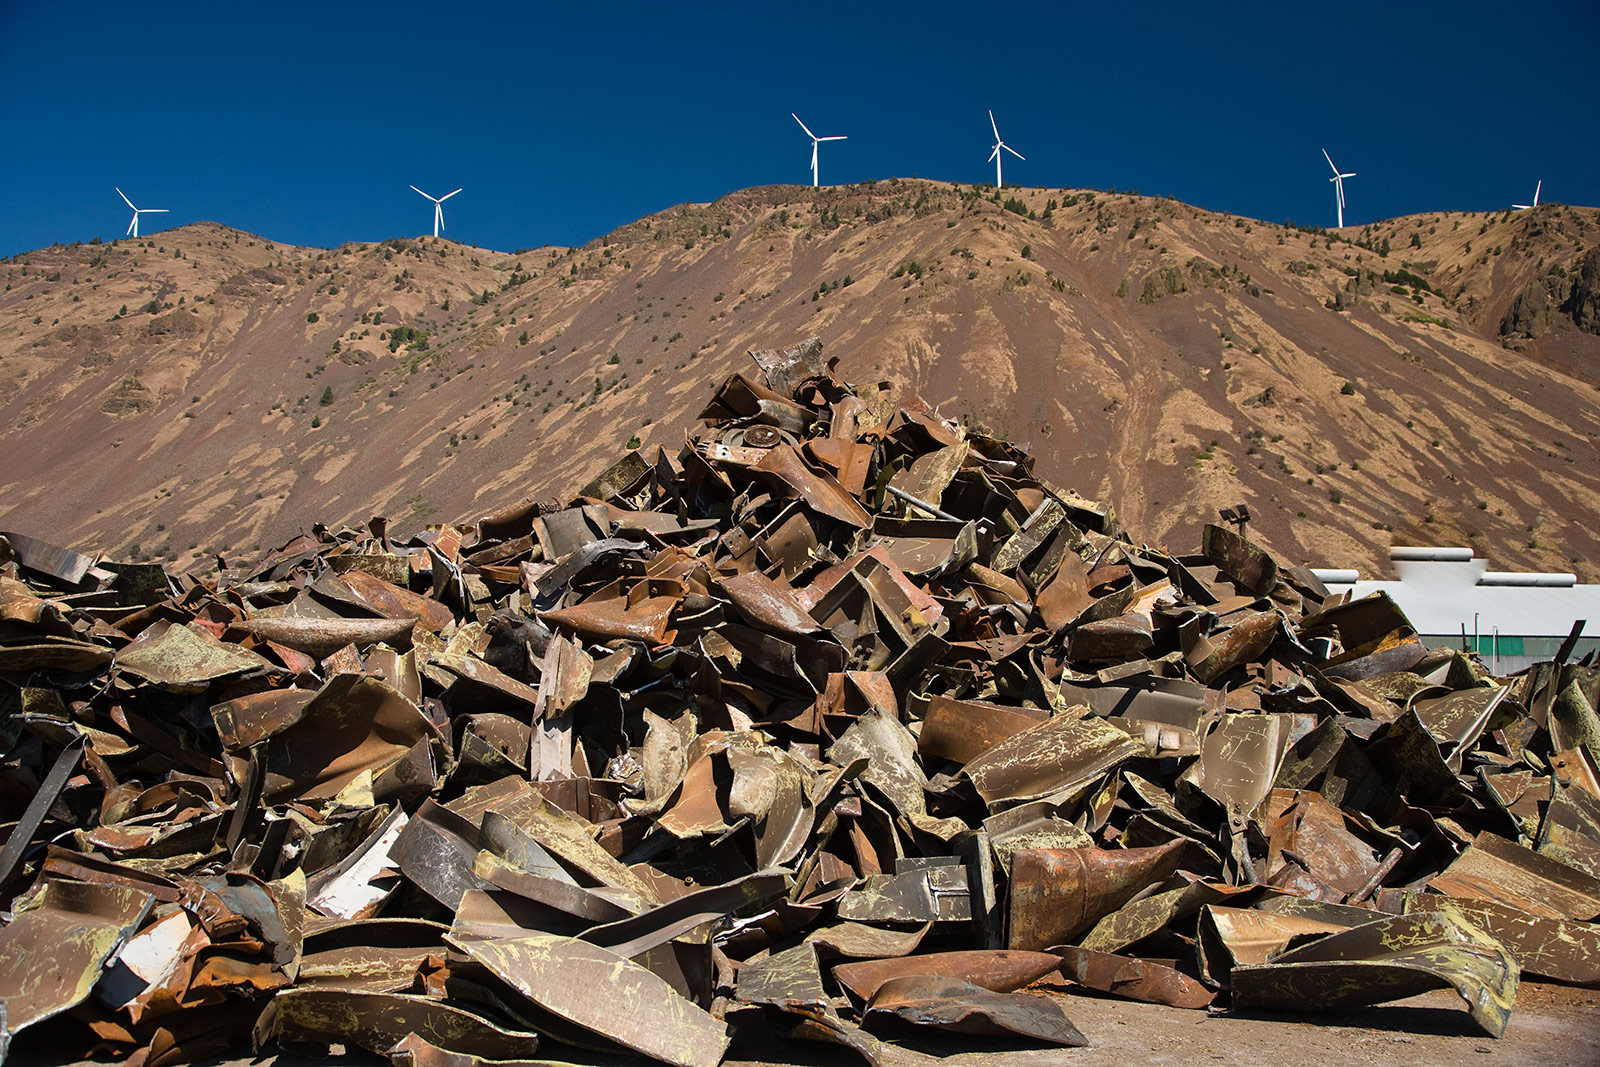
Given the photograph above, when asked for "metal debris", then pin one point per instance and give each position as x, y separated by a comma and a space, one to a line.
840, 715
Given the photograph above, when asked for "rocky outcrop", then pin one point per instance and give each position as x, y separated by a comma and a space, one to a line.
1583, 301
1529, 313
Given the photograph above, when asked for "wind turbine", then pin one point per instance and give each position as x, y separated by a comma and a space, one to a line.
1338, 185
1536, 188
815, 140
133, 227
438, 208
995, 155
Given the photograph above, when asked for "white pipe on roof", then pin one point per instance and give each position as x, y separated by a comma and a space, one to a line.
1331, 576
1434, 554
1542, 579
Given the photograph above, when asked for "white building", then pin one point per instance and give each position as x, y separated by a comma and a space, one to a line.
1517, 618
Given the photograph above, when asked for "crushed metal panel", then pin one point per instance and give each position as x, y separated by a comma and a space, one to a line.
1390, 959
965, 1008
861, 941
323, 637
54, 951
638, 1010
1493, 868
1060, 754
998, 970
379, 1021
1558, 949
1057, 894
184, 659
355, 724
789, 979
1131, 977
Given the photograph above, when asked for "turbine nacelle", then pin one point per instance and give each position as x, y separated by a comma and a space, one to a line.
815, 140
133, 227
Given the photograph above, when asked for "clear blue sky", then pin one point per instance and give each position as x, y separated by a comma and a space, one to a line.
306, 122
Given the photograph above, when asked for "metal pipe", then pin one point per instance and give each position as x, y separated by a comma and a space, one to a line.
923, 504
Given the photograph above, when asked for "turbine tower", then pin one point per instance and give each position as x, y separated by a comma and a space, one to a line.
133, 227
1338, 185
815, 140
995, 155
1536, 188
438, 208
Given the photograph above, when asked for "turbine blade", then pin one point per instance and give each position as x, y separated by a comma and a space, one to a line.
996, 152
1330, 160
125, 199
803, 126
447, 196
157, 210
1013, 151
992, 126
1536, 190
421, 193
134, 224
813, 157
839, 138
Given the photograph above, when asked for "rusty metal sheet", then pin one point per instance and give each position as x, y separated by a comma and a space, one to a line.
639, 933
183, 658
861, 941
1057, 894
39, 805
639, 1010
962, 730
570, 840
647, 620
891, 753
1130, 977
1228, 937
323, 637
395, 602
1238, 760
246, 721
819, 490
435, 850
379, 1021
965, 1008
1493, 868
565, 897
351, 888
791, 979
1062, 753
1558, 949
55, 950
998, 970
1134, 922
768, 604
63, 564
1390, 959
355, 724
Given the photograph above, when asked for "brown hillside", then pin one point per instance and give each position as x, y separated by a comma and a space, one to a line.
1165, 359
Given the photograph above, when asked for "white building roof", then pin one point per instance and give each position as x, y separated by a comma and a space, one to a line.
1442, 590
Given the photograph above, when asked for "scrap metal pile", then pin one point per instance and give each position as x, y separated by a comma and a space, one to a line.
842, 720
